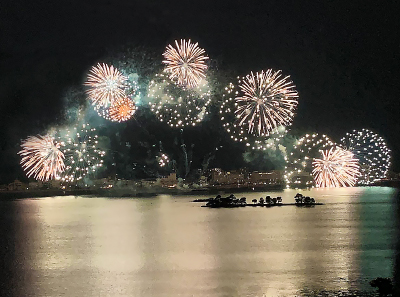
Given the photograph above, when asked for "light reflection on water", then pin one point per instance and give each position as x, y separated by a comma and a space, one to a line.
167, 246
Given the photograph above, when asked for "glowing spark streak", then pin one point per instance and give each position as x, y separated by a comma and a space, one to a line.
185, 63
41, 157
337, 168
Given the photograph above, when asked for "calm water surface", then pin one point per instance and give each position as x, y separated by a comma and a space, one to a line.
168, 246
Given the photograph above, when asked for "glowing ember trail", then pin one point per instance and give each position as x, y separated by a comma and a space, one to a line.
41, 157
337, 168
185, 63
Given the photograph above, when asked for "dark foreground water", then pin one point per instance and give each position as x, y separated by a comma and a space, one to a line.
168, 246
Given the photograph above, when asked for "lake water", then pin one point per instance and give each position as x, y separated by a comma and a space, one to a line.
169, 246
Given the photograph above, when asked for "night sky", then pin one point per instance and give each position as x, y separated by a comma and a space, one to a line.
343, 57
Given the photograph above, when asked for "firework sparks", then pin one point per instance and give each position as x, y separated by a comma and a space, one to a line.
185, 63
82, 153
337, 168
176, 106
41, 157
163, 160
267, 101
237, 132
122, 110
298, 169
371, 151
106, 84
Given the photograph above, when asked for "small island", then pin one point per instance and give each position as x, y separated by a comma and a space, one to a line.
231, 201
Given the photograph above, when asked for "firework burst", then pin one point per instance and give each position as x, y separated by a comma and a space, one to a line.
163, 160
122, 110
106, 84
82, 153
337, 168
176, 106
298, 169
265, 102
371, 151
41, 157
185, 63
238, 133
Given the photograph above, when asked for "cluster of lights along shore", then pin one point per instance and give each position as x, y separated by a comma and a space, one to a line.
257, 109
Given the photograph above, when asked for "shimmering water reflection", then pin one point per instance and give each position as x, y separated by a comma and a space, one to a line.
167, 246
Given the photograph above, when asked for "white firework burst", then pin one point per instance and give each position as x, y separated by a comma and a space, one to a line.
106, 84
41, 157
185, 63
336, 168
266, 100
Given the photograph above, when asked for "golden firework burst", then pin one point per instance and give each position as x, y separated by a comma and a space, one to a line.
122, 110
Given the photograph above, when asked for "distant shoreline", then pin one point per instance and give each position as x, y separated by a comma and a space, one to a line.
132, 192
41, 193
149, 192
